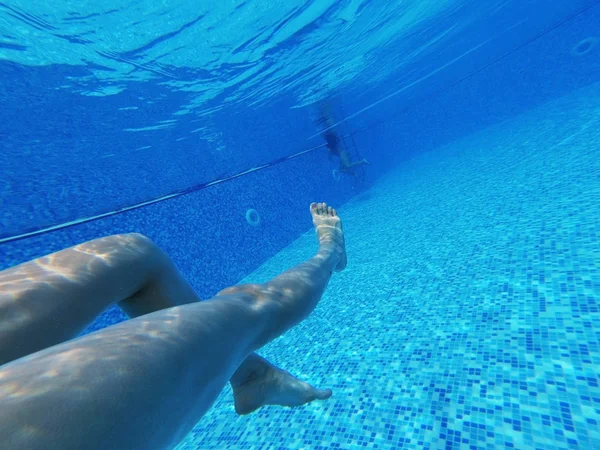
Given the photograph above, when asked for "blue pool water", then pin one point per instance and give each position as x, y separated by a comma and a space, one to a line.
468, 317
455, 325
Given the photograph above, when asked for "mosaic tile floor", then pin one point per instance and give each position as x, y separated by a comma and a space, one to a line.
468, 315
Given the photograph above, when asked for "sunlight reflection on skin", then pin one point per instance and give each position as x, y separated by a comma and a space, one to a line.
68, 369
75, 265
182, 354
78, 283
72, 287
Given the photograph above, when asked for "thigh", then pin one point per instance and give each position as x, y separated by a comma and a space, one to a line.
52, 299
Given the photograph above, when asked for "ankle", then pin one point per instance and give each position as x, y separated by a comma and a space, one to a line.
252, 368
329, 253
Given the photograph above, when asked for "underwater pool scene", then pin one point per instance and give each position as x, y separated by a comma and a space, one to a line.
458, 140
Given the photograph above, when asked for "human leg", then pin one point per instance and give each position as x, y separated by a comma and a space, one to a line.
52, 299
150, 379
308, 280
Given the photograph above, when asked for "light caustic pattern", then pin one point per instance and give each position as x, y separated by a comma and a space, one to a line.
251, 51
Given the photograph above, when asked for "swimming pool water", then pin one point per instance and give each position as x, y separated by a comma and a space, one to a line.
468, 315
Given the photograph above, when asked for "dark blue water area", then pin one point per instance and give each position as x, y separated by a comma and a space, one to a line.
534, 62
55, 145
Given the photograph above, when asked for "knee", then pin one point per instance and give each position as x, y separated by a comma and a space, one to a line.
138, 239
125, 239
139, 242
132, 248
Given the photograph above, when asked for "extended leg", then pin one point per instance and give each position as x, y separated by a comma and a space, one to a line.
148, 380
299, 289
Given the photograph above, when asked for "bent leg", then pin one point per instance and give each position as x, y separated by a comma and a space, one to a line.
148, 380
52, 299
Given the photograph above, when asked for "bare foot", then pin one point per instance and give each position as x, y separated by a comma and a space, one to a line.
329, 231
269, 385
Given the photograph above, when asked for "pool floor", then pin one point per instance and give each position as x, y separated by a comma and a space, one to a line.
468, 315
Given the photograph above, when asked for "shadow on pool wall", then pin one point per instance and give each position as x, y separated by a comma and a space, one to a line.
206, 232
562, 61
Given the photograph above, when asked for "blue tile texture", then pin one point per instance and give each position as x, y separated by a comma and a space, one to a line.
468, 315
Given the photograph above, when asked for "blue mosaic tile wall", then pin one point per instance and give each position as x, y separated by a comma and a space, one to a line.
468, 315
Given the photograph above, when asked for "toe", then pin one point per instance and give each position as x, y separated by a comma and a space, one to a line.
322, 394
